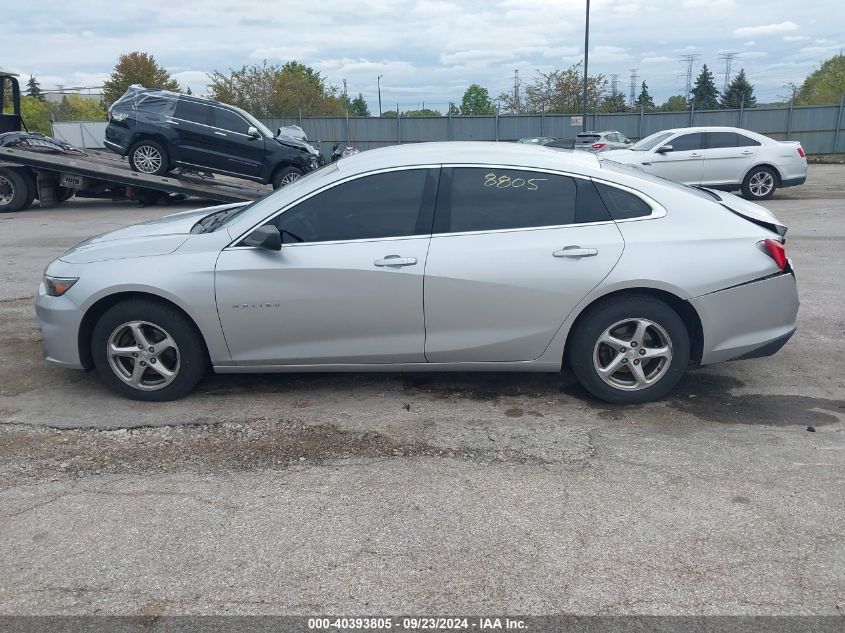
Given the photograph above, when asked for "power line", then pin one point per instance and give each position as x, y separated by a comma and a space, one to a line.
728, 59
632, 95
689, 60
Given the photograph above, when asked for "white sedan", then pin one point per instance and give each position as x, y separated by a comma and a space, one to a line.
725, 158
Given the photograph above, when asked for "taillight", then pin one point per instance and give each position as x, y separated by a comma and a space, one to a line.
801, 152
598, 145
776, 251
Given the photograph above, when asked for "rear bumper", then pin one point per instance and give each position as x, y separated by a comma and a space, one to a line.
793, 182
748, 321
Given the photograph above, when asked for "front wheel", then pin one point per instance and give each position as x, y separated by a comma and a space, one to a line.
629, 350
285, 176
759, 184
145, 350
148, 157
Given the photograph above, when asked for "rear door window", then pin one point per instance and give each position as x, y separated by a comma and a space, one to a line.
193, 112
621, 204
744, 141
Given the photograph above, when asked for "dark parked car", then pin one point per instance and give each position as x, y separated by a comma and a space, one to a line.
158, 130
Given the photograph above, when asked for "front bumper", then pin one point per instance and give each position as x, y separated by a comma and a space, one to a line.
748, 321
59, 319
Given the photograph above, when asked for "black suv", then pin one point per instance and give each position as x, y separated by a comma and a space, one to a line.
159, 130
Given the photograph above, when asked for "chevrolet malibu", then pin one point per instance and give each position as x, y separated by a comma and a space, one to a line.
432, 257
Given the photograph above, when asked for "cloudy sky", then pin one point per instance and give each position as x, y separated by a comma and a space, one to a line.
427, 50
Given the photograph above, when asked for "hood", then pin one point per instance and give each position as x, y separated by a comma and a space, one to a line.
295, 142
750, 211
626, 156
155, 237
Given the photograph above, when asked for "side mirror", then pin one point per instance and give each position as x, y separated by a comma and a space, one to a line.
266, 236
665, 148
252, 132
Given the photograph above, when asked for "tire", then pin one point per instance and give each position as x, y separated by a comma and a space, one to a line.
285, 176
184, 356
148, 157
620, 318
760, 183
16, 191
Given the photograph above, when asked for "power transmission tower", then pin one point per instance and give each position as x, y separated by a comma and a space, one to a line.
728, 59
689, 60
614, 82
632, 95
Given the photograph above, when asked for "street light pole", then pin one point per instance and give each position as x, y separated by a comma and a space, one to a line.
378, 81
586, 56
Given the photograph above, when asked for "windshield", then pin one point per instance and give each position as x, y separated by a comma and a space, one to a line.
650, 142
629, 170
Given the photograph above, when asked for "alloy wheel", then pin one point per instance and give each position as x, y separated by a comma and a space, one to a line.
143, 355
761, 183
289, 178
147, 159
632, 354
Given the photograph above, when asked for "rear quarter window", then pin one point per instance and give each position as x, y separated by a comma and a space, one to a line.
621, 204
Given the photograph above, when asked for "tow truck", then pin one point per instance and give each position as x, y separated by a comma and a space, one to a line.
27, 172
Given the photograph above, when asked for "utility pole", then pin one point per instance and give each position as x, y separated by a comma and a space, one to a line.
378, 82
632, 95
586, 58
728, 59
516, 104
689, 60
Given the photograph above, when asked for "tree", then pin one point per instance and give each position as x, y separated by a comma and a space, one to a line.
675, 103
476, 101
188, 91
704, 93
644, 102
271, 90
78, 108
33, 89
136, 68
36, 115
740, 93
453, 110
358, 107
825, 85
614, 103
422, 112
561, 91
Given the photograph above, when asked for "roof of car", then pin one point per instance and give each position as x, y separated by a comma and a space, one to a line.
712, 128
470, 152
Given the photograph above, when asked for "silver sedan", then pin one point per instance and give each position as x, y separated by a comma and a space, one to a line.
432, 257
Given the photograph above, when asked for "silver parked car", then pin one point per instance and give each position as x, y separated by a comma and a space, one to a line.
725, 158
430, 257
601, 141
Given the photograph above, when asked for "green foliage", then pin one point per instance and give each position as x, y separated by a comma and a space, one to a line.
644, 102
825, 85
422, 112
33, 89
704, 93
453, 110
77, 108
561, 91
36, 115
358, 107
675, 103
136, 68
614, 103
476, 101
740, 93
271, 90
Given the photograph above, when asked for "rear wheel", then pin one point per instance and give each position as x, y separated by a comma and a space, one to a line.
16, 191
144, 350
760, 183
285, 176
148, 157
630, 350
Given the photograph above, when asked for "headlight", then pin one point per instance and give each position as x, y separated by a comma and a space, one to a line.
118, 116
57, 286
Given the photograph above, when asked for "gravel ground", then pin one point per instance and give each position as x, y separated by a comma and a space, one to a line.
459, 493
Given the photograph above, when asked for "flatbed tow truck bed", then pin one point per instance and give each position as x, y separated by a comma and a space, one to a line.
104, 171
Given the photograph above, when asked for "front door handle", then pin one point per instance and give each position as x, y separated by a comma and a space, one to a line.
747, 152
695, 155
395, 260
576, 252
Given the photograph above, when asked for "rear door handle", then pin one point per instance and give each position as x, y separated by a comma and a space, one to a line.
695, 155
576, 252
747, 152
395, 260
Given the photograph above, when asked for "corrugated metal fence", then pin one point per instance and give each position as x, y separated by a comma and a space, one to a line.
819, 128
